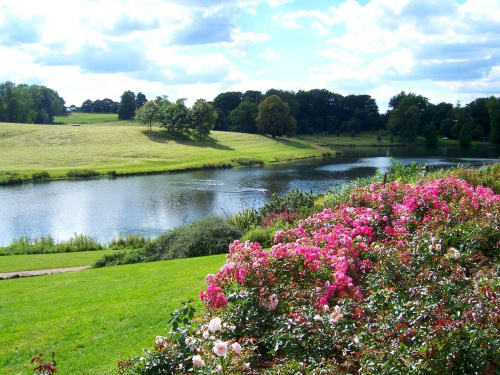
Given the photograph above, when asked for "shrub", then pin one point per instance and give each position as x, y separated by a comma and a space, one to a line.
296, 200
245, 219
82, 173
41, 176
131, 241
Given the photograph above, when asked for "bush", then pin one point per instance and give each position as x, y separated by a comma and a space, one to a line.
82, 173
207, 236
245, 219
296, 200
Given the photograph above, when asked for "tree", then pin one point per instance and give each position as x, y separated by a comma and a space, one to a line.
224, 103
140, 100
203, 117
465, 137
147, 114
408, 115
493, 106
431, 135
126, 109
174, 116
274, 117
243, 118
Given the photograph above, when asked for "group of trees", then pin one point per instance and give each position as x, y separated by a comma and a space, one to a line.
29, 104
126, 108
412, 115
177, 118
312, 111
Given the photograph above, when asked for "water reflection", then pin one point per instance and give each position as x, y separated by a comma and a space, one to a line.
149, 205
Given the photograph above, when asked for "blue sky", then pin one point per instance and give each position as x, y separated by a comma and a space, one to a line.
446, 50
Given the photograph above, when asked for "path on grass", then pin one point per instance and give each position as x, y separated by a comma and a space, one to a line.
50, 271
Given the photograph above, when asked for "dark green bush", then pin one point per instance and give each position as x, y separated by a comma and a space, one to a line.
41, 176
296, 200
207, 236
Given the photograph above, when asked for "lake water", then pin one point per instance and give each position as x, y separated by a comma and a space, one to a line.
149, 205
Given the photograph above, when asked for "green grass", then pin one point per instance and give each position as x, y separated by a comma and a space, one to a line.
86, 118
345, 140
130, 149
12, 263
92, 319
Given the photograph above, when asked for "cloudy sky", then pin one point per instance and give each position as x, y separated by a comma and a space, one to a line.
446, 50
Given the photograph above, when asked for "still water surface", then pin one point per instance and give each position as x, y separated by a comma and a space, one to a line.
149, 205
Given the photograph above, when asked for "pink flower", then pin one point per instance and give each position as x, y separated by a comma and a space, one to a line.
220, 348
197, 361
273, 302
336, 314
236, 348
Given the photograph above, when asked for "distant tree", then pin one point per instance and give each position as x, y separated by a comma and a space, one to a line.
274, 117
407, 116
493, 105
203, 117
431, 135
252, 96
140, 100
148, 114
87, 106
243, 118
126, 109
224, 103
446, 126
465, 136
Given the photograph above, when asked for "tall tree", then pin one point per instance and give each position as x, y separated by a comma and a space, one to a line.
224, 103
274, 118
465, 136
203, 117
148, 114
431, 135
126, 109
407, 116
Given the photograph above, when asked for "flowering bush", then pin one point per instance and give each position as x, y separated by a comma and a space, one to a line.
398, 278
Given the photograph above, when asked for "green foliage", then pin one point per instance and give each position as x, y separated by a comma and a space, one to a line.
431, 135
131, 241
247, 162
208, 236
274, 118
493, 105
261, 235
147, 114
243, 117
245, 219
487, 176
46, 245
296, 200
29, 104
127, 107
174, 116
465, 137
41, 176
203, 117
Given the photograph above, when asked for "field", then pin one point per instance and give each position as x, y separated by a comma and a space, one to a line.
128, 148
86, 118
92, 319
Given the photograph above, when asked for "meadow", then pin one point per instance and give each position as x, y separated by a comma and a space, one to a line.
121, 148
94, 318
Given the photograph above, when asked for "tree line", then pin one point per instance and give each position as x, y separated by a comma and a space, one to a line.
32, 104
275, 112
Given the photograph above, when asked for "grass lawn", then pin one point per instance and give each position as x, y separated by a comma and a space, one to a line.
12, 263
128, 149
92, 319
345, 140
86, 118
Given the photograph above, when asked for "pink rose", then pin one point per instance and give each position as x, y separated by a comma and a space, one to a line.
197, 361
220, 348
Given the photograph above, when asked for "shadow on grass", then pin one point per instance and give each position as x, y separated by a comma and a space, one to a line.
163, 136
291, 143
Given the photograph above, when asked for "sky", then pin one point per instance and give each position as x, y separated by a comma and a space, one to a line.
445, 50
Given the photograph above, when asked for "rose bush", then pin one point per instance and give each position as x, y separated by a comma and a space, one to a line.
398, 278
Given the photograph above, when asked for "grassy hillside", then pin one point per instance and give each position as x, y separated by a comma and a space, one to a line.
95, 317
86, 118
57, 149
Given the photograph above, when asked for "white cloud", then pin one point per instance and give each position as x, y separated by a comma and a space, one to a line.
277, 3
270, 54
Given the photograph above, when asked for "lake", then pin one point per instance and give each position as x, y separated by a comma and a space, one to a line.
152, 204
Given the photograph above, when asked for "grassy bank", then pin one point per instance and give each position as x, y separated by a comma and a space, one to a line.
50, 152
95, 317
86, 118
45, 261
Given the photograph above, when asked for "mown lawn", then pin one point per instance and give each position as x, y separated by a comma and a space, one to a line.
92, 319
12, 263
86, 118
127, 149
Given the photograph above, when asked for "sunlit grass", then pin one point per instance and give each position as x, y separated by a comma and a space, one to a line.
12, 263
92, 319
128, 149
86, 118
